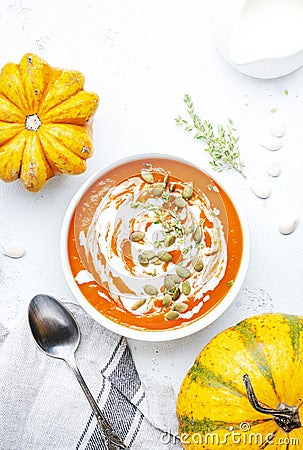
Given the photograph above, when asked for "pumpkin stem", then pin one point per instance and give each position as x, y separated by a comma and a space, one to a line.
32, 122
287, 417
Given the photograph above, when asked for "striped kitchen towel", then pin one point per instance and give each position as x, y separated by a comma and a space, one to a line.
42, 407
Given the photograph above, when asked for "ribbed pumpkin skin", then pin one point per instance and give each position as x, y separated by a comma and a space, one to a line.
45, 122
213, 398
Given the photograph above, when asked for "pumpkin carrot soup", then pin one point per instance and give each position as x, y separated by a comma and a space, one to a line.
155, 245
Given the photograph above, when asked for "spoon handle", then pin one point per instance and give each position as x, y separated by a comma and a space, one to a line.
112, 440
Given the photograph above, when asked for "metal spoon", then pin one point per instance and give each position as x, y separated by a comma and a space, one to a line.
58, 335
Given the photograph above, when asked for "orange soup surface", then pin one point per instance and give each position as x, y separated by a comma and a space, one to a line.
155, 245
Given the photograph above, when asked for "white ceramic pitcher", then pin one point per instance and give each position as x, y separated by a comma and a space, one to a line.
261, 38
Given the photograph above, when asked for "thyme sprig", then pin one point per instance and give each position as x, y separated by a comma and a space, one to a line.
221, 146
167, 217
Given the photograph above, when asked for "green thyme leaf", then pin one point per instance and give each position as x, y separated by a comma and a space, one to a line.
221, 145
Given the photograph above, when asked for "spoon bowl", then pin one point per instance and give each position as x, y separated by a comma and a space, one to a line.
53, 327
57, 333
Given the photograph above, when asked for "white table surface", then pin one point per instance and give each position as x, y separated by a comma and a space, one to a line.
141, 56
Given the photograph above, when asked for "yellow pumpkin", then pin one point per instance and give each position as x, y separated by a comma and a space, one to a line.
45, 122
245, 389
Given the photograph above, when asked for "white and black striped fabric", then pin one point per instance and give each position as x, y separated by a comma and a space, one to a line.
43, 408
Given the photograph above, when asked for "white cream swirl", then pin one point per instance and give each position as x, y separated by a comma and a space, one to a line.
131, 205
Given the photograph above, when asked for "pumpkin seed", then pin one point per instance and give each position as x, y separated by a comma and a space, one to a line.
149, 289
177, 279
167, 300
271, 142
158, 189
288, 224
169, 282
181, 307
147, 176
138, 304
149, 254
261, 188
198, 234
14, 251
165, 181
169, 240
273, 167
156, 261
165, 256
172, 289
186, 288
137, 236
179, 202
188, 191
182, 272
198, 263
143, 260
172, 315
176, 294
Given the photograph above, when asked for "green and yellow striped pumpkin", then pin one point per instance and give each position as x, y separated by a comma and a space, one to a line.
245, 389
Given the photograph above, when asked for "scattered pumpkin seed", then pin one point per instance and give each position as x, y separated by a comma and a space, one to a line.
149, 254
198, 263
182, 272
177, 279
172, 315
169, 240
138, 304
137, 236
158, 189
180, 307
188, 191
167, 300
165, 256
179, 202
172, 289
169, 282
147, 176
165, 181
176, 294
155, 260
198, 234
143, 260
288, 223
186, 288
149, 289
